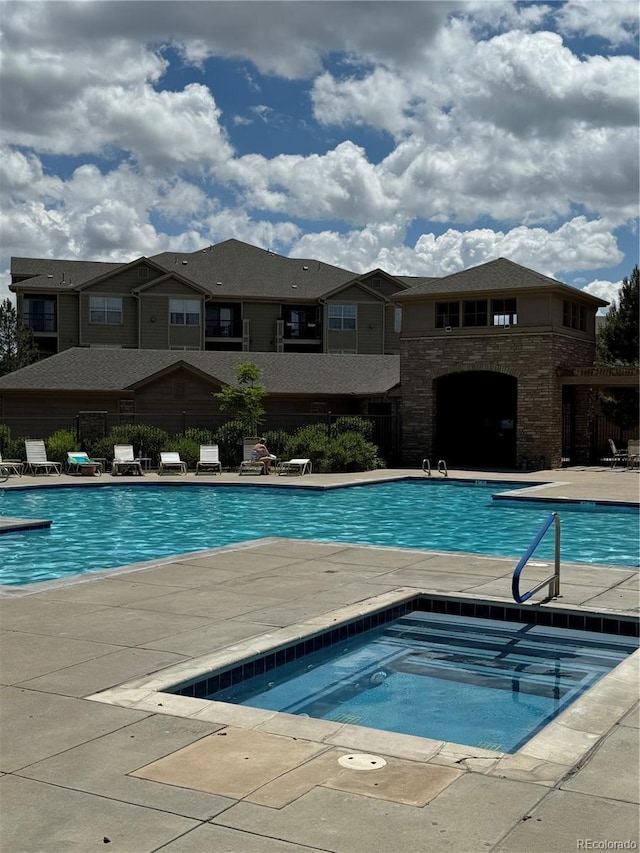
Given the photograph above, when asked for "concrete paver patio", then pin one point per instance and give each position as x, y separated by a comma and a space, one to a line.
92, 756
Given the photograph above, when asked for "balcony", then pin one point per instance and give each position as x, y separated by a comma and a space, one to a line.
39, 322
223, 329
302, 331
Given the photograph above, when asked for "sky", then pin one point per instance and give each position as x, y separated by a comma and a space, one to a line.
419, 137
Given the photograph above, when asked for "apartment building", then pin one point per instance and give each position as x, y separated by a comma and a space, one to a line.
231, 297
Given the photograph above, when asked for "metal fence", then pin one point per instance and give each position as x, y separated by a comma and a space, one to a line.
386, 428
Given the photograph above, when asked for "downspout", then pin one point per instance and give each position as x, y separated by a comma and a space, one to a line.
136, 295
325, 325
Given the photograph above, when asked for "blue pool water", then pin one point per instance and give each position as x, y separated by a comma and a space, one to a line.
465, 680
108, 526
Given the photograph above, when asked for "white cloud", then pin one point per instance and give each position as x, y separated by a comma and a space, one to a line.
608, 290
613, 20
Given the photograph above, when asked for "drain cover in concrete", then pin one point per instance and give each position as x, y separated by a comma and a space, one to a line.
361, 761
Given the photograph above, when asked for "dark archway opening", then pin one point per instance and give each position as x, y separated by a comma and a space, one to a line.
476, 419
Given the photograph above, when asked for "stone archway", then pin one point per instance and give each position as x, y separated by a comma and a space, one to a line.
476, 419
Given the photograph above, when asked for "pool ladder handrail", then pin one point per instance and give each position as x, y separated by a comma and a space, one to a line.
554, 579
442, 467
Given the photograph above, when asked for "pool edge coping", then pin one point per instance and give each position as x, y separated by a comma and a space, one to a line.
552, 753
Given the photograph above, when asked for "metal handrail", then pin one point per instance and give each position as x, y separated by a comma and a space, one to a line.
442, 467
554, 579
426, 467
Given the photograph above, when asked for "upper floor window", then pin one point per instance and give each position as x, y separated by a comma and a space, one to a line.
504, 312
343, 317
39, 313
475, 312
574, 316
105, 310
184, 312
447, 314
397, 320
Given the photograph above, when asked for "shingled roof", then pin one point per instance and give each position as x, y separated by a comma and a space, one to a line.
85, 369
238, 269
49, 273
501, 274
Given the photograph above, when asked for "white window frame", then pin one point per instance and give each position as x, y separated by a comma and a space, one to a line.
182, 313
397, 320
105, 310
342, 316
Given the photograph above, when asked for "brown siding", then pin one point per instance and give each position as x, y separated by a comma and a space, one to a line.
174, 290
125, 335
185, 336
391, 338
177, 391
68, 333
370, 340
262, 317
342, 340
154, 321
350, 295
117, 285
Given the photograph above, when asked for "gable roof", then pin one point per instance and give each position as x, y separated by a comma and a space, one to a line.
498, 275
83, 369
237, 269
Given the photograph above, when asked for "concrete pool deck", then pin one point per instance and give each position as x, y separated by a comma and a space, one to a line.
132, 769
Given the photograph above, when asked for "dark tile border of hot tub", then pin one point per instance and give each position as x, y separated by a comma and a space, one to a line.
211, 683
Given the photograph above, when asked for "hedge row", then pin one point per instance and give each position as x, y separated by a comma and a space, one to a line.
344, 445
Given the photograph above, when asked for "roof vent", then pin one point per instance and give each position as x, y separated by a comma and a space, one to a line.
294, 285
50, 275
305, 268
184, 263
219, 283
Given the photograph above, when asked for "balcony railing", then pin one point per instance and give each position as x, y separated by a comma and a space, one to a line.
223, 329
39, 322
302, 331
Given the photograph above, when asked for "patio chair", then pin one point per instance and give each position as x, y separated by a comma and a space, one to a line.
617, 455
633, 453
249, 465
10, 466
295, 466
37, 458
79, 463
124, 460
171, 462
209, 459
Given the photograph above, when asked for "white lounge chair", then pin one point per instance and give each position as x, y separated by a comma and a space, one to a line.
124, 460
209, 459
295, 466
37, 458
77, 460
10, 466
171, 462
633, 453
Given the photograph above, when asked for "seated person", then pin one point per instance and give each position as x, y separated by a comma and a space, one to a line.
261, 454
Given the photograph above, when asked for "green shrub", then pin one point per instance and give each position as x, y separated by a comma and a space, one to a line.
146, 440
188, 448
59, 444
352, 423
202, 436
229, 440
309, 442
350, 451
10, 447
276, 440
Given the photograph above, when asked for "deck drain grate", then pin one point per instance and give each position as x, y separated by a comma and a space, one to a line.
361, 761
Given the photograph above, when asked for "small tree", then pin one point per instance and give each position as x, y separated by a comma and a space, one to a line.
244, 403
617, 344
17, 346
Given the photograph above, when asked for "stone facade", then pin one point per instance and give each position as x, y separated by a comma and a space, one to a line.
533, 359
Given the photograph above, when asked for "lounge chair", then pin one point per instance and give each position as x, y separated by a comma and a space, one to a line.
124, 460
249, 465
295, 466
77, 461
209, 459
633, 453
171, 462
37, 458
10, 466
617, 455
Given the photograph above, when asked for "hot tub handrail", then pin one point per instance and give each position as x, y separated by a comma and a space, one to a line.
554, 579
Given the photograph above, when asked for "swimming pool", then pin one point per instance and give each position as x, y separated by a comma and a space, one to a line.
107, 526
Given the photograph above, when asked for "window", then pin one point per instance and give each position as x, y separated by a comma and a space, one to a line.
342, 317
504, 312
184, 312
397, 320
447, 314
475, 312
105, 310
574, 316
38, 314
